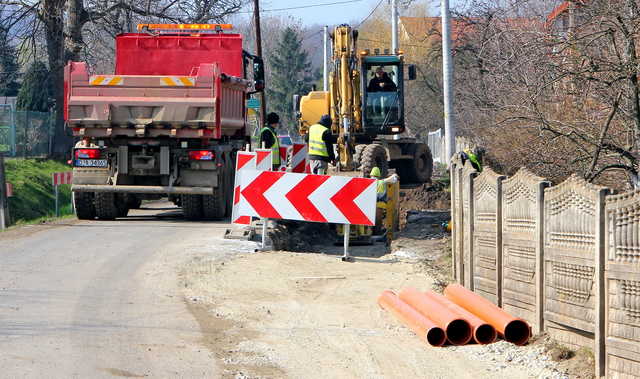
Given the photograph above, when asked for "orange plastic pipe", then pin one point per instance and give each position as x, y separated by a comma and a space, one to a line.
422, 326
514, 330
483, 333
457, 329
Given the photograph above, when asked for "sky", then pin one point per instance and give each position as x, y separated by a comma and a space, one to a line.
345, 12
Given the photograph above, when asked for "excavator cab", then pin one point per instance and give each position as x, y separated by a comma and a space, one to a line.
383, 94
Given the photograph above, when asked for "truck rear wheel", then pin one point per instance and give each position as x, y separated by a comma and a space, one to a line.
83, 203
374, 155
191, 206
106, 206
213, 206
122, 204
421, 167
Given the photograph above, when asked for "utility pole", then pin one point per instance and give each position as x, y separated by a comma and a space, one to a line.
394, 26
263, 97
447, 81
325, 62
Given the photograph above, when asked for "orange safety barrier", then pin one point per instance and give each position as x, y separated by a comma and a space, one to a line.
513, 329
457, 329
421, 325
483, 333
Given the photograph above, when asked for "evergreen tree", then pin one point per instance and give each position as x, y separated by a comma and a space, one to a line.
8, 66
291, 74
36, 93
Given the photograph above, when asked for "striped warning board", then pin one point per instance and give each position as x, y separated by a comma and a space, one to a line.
9, 189
106, 80
60, 178
178, 81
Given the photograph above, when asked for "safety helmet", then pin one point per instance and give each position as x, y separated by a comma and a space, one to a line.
375, 173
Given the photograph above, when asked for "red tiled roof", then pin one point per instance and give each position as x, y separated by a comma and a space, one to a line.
560, 9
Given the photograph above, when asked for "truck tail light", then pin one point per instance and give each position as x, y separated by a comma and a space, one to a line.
87, 153
202, 155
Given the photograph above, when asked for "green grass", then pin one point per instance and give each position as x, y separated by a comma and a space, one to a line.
33, 195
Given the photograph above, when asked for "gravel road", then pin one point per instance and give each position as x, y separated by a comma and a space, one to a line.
100, 299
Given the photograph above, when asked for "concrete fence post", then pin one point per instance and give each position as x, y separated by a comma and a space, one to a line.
468, 173
4, 202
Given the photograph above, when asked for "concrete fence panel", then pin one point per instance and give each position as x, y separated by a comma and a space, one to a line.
573, 253
487, 232
622, 286
467, 175
522, 252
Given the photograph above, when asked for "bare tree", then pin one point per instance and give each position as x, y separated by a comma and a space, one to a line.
65, 22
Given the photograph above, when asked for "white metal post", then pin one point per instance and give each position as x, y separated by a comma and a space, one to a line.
325, 62
447, 81
3, 196
57, 208
347, 234
394, 26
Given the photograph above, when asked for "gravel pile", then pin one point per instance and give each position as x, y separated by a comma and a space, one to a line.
503, 354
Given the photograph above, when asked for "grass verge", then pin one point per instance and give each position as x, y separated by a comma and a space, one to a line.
33, 194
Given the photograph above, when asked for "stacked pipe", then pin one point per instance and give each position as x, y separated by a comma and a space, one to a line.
457, 317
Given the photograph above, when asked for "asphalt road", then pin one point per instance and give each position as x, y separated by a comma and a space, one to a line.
101, 299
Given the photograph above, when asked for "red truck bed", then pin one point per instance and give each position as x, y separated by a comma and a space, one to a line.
183, 86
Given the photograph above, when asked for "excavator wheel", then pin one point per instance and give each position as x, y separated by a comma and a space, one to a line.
213, 206
421, 167
357, 156
191, 206
374, 155
83, 203
106, 208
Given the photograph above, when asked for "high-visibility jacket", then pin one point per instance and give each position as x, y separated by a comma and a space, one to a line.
275, 148
381, 193
317, 145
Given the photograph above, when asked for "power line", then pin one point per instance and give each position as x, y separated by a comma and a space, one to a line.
306, 6
370, 14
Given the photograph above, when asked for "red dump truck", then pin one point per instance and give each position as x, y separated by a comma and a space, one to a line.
167, 123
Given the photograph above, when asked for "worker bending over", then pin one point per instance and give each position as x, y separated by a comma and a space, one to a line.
269, 139
320, 146
381, 197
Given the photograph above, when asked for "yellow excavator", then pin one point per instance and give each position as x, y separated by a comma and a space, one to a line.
366, 103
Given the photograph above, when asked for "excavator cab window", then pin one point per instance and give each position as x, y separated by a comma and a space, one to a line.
383, 94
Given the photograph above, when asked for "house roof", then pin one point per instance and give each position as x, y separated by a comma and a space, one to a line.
562, 8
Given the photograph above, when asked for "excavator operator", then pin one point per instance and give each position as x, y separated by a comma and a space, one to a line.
381, 82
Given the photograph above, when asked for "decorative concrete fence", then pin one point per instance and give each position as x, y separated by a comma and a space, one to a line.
565, 258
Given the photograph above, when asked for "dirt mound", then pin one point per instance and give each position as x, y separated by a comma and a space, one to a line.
422, 198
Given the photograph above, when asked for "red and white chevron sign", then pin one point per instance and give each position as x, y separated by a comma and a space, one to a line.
62, 178
263, 160
299, 157
245, 160
304, 197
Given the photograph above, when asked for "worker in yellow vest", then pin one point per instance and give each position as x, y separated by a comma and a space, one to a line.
321, 146
381, 196
269, 139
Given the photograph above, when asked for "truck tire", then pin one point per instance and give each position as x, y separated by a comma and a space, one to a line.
421, 167
374, 155
357, 156
83, 203
133, 202
191, 206
122, 204
214, 206
106, 206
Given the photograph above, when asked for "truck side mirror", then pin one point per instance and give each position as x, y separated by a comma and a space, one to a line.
411, 72
258, 73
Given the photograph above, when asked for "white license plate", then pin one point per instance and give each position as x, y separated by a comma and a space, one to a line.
91, 163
